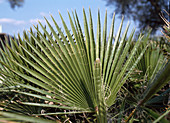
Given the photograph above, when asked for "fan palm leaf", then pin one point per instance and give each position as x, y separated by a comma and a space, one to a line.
72, 71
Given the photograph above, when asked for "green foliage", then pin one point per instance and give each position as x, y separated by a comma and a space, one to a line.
56, 75
17, 118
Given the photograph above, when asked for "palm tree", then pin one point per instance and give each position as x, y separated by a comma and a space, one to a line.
77, 73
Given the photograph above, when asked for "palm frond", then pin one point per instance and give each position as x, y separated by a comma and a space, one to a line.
73, 70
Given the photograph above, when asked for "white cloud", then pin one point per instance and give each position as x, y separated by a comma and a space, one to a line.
11, 21
44, 14
20, 22
35, 21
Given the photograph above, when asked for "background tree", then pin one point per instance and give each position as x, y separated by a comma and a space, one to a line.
145, 12
16, 3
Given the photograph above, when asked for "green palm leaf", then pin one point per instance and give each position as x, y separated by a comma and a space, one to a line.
18, 118
77, 72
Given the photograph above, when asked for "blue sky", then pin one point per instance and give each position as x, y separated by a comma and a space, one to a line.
16, 20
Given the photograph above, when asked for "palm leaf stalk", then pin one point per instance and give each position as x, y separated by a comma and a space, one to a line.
76, 72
